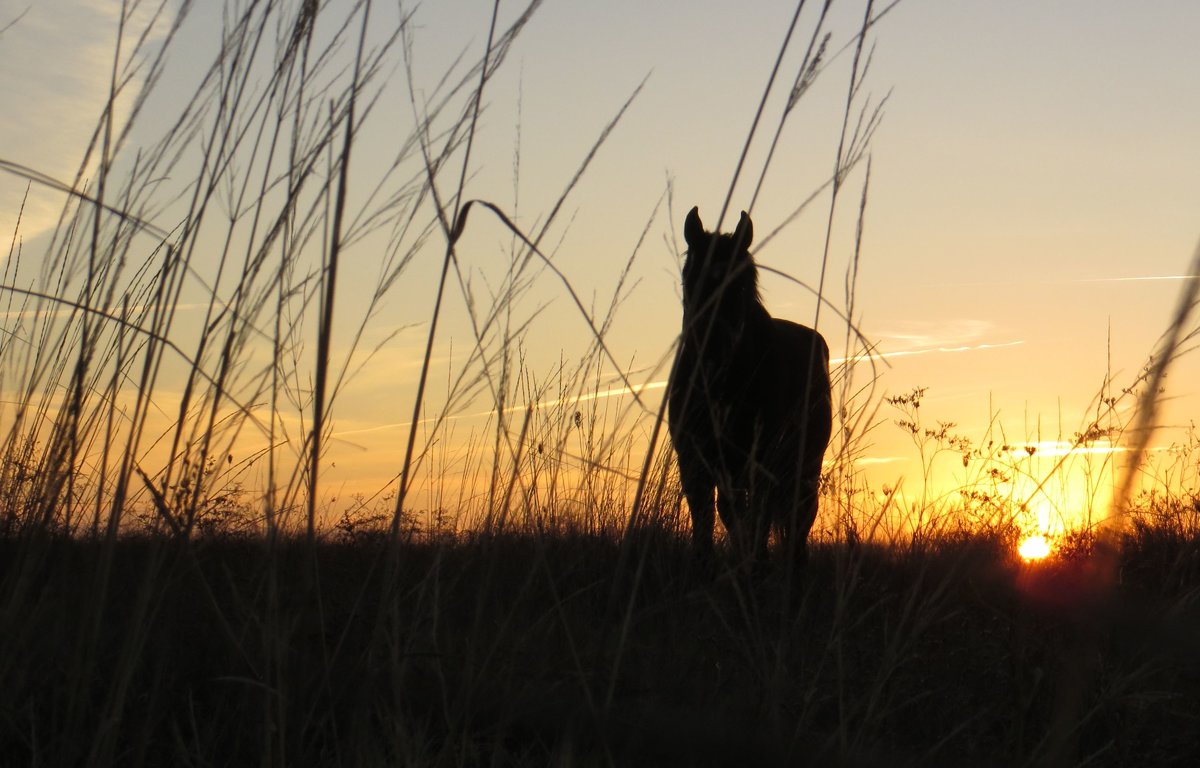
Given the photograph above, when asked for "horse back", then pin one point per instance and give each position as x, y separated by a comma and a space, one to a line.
790, 389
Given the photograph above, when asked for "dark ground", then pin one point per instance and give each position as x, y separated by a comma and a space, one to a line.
576, 650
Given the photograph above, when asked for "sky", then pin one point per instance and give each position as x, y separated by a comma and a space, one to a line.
1031, 211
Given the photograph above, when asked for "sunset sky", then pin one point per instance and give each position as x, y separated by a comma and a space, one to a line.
1033, 199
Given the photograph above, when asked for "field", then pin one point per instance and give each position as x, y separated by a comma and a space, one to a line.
220, 545
587, 650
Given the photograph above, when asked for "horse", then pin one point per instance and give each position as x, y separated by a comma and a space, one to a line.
749, 406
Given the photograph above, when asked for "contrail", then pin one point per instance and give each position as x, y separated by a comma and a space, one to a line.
1063, 448
652, 385
1064, 281
604, 393
1132, 279
927, 351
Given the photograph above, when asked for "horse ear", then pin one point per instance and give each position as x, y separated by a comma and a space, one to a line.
693, 229
744, 234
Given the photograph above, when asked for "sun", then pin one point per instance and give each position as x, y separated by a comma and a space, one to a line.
1034, 547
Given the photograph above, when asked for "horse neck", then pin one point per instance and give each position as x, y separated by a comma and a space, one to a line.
720, 329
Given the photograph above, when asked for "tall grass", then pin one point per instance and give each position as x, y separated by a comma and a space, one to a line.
177, 586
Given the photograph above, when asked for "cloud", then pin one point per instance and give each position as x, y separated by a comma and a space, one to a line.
865, 461
930, 351
916, 337
931, 342
55, 65
1135, 279
1064, 448
623, 391
601, 395
918, 334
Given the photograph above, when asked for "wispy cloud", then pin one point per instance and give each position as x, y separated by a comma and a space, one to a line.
1026, 282
1134, 279
650, 386
928, 334
1064, 448
916, 337
866, 461
602, 394
55, 65
929, 351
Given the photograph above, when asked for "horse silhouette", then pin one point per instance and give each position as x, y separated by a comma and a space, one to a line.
749, 404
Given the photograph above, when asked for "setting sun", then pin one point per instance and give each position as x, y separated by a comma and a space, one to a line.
1034, 547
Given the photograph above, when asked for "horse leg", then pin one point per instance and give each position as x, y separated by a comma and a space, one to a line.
800, 507
698, 489
762, 533
733, 504
806, 515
